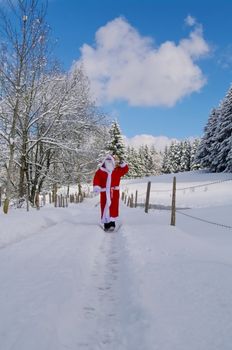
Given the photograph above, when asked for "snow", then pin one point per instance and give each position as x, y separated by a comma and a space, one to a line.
66, 284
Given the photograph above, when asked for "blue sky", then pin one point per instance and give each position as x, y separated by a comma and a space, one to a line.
184, 66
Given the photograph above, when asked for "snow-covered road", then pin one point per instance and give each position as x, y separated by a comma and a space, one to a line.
149, 286
65, 287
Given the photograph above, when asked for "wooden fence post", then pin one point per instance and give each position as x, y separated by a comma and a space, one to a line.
136, 198
132, 201
173, 214
147, 196
125, 199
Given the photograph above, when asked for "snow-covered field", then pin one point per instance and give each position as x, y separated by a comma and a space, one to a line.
66, 284
196, 189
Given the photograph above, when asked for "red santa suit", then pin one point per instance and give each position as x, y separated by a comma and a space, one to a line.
107, 184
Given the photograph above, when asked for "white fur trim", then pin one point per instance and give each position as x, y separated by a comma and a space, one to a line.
105, 170
122, 165
106, 212
109, 220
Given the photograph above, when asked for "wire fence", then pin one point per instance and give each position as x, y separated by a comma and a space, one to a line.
56, 198
187, 188
132, 201
204, 220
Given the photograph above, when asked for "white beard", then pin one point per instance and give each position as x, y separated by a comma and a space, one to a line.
109, 166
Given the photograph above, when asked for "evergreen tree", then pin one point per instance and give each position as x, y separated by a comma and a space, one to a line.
144, 162
137, 163
185, 156
194, 165
165, 163
141, 162
223, 135
177, 157
171, 151
132, 163
148, 161
207, 147
116, 144
229, 159
157, 159
174, 156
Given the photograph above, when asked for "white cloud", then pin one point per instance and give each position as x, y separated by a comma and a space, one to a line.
190, 21
158, 141
123, 65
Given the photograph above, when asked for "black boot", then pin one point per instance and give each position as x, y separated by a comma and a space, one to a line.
107, 226
111, 225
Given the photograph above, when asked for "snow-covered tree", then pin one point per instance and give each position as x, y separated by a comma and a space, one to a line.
132, 160
116, 144
174, 157
229, 160
177, 157
185, 156
194, 165
223, 135
23, 64
157, 158
47, 119
206, 150
70, 143
147, 160
214, 151
165, 163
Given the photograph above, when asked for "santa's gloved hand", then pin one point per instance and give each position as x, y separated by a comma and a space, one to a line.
122, 163
96, 189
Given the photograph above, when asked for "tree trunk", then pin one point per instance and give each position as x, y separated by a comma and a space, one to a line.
8, 182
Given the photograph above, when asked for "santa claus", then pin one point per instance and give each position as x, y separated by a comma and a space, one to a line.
106, 182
